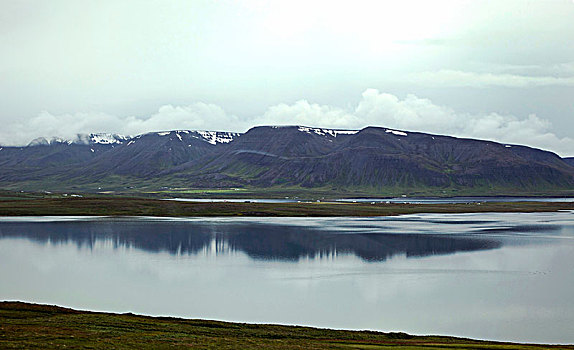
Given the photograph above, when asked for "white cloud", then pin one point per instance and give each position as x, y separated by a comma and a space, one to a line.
196, 116
419, 114
456, 78
305, 113
375, 108
412, 113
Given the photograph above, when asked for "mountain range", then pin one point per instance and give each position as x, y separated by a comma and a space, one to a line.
373, 160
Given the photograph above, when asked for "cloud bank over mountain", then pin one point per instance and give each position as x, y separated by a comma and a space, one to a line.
374, 108
471, 68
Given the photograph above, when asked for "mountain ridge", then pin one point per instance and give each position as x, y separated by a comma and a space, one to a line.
112, 138
82, 139
372, 159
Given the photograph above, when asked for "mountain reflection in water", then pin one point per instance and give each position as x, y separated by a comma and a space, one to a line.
500, 276
257, 239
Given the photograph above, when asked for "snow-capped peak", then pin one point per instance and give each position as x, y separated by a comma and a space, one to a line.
82, 139
107, 139
42, 141
212, 137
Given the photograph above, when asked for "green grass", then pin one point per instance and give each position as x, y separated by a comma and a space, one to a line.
334, 192
126, 206
196, 191
134, 186
31, 326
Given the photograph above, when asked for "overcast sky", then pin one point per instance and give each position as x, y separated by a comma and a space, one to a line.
498, 70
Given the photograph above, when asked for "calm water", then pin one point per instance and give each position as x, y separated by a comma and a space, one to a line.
458, 200
490, 276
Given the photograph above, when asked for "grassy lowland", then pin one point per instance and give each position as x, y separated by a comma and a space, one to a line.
33, 205
32, 326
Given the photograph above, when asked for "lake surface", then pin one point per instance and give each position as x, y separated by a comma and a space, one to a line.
502, 276
454, 200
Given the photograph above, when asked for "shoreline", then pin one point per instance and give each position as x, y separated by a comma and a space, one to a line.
48, 326
126, 206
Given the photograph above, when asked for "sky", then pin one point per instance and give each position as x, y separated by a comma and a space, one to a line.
496, 70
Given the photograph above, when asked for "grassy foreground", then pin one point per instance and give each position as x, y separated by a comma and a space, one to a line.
125, 206
31, 326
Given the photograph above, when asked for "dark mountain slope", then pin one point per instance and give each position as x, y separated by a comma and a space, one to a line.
289, 141
376, 158
569, 161
52, 157
147, 155
261, 149
34, 162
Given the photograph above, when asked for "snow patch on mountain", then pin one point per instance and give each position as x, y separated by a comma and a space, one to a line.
108, 139
215, 137
395, 132
325, 132
212, 137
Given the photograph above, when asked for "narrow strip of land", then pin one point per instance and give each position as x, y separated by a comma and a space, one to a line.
124, 206
24, 325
